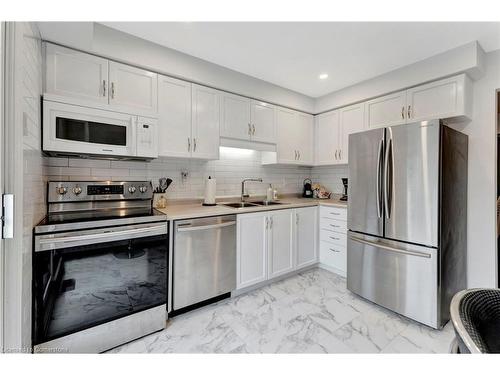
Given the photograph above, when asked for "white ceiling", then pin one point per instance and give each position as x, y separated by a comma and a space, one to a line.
293, 54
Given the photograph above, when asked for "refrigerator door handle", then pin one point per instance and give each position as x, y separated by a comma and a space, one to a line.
391, 249
379, 172
387, 180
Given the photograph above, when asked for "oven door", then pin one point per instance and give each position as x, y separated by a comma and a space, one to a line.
71, 129
85, 278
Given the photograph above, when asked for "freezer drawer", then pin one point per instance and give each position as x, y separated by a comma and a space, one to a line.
396, 275
204, 259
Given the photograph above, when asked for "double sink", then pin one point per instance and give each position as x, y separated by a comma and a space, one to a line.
251, 204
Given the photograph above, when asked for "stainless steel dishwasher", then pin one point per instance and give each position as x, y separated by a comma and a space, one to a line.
204, 259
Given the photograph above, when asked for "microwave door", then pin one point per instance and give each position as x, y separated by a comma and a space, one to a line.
366, 153
411, 183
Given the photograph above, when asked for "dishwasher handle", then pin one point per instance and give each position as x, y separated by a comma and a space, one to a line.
191, 228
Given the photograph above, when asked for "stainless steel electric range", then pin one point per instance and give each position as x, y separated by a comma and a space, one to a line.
99, 266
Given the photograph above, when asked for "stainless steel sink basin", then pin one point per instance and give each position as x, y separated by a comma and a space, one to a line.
239, 204
266, 203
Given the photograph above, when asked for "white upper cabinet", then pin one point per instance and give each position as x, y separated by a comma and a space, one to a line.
131, 87
327, 136
447, 98
351, 121
263, 128
70, 73
306, 233
280, 243
385, 111
205, 119
305, 138
236, 121
174, 117
246, 119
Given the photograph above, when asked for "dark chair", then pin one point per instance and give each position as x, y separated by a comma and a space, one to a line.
475, 314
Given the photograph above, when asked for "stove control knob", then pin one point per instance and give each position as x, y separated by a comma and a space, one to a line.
77, 190
131, 189
61, 190
143, 189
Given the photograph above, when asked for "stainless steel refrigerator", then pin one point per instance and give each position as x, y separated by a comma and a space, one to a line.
407, 218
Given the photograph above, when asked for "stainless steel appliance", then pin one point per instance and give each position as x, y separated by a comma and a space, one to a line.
407, 218
99, 266
83, 132
204, 264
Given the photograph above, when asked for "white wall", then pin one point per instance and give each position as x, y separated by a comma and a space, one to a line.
234, 165
481, 234
24, 170
468, 58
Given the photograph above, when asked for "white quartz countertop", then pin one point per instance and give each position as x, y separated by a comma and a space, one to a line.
177, 211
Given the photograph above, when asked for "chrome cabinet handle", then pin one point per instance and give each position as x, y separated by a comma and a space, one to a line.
403, 112
340, 154
104, 87
409, 111
267, 223
112, 90
253, 129
336, 154
194, 144
189, 144
299, 154
379, 170
335, 226
295, 151
335, 238
249, 129
334, 250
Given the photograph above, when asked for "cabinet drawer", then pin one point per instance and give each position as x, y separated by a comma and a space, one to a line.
333, 225
333, 213
335, 238
333, 256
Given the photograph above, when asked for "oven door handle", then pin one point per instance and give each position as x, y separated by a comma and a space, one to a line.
52, 243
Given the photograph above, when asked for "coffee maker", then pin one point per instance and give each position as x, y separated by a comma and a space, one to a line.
344, 196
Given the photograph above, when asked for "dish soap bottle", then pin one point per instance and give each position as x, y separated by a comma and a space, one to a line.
269, 195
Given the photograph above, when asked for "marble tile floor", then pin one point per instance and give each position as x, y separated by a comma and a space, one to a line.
311, 312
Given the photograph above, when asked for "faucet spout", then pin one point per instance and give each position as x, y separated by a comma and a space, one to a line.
243, 196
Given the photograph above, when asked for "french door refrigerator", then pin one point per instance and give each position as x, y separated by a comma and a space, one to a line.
407, 219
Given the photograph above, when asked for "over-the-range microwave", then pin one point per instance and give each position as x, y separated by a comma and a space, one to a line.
89, 132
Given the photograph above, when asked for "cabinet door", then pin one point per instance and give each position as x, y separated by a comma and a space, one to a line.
305, 138
441, 99
351, 121
174, 117
132, 88
236, 121
327, 138
280, 243
205, 122
263, 122
76, 74
386, 111
287, 134
251, 259
306, 232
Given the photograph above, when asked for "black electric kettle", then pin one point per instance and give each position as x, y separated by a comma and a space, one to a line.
308, 191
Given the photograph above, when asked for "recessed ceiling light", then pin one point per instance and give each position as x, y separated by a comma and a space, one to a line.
323, 76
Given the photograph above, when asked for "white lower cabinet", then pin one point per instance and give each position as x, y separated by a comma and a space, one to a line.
274, 243
333, 239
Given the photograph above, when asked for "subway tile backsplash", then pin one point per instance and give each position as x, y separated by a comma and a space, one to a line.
233, 166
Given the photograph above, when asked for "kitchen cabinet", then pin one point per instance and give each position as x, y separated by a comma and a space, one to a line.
246, 119
251, 253
449, 98
205, 122
388, 110
327, 134
295, 138
174, 117
74, 74
351, 121
280, 243
333, 239
131, 87
306, 232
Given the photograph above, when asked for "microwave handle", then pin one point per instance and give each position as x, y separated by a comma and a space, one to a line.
50, 243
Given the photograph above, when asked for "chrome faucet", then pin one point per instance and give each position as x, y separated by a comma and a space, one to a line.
243, 196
